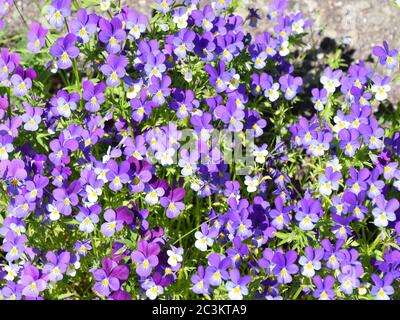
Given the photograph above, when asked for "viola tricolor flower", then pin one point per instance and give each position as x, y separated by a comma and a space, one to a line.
200, 159
64, 49
36, 37
58, 11
387, 57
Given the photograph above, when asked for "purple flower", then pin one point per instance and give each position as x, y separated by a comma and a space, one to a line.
354, 204
36, 37
348, 278
290, 85
58, 11
66, 198
114, 69
204, 19
183, 103
375, 185
60, 148
109, 277
3, 106
64, 49
324, 288
205, 46
154, 65
277, 8
232, 116
83, 247
311, 261
280, 215
56, 266
308, 212
382, 288
117, 175
154, 285
88, 217
12, 291
141, 175
217, 269
21, 85
134, 22
6, 146
14, 245
111, 34
172, 202
64, 103
237, 286
164, 5
160, 88
389, 170
341, 229
222, 4
320, 98
141, 106
8, 62
358, 180
5, 7
200, 282
220, 79
145, 257
32, 282
331, 79
381, 87
205, 237
32, 118
329, 181
183, 43
253, 17
349, 141
385, 211
112, 225
372, 134
94, 95
386, 56
84, 26
332, 256
285, 266
175, 257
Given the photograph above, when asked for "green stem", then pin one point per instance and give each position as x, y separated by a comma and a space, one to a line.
76, 72
20, 14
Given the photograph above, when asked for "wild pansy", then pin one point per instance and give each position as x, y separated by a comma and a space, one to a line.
387, 57
114, 69
64, 50
94, 95
124, 136
36, 37
111, 34
58, 11
109, 277
84, 26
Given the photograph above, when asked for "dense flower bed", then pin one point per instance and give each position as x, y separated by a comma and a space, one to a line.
164, 157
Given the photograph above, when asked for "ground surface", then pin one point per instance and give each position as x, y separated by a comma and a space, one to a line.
363, 22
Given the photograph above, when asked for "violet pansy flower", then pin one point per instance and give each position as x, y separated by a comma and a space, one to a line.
172, 202
64, 49
114, 69
145, 257
109, 277
36, 37
112, 223
84, 26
